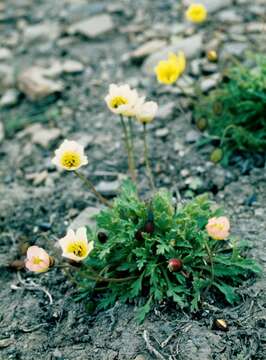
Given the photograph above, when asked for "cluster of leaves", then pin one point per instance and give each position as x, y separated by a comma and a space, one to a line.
236, 110
134, 241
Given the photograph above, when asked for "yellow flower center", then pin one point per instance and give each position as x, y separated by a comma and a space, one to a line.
118, 101
77, 249
70, 160
36, 260
218, 226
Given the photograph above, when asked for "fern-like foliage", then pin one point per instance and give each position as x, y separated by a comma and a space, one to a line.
236, 110
141, 237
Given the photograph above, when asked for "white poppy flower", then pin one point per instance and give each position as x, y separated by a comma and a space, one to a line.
75, 245
70, 156
145, 112
122, 100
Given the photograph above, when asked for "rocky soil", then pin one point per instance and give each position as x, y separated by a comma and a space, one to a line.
57, 59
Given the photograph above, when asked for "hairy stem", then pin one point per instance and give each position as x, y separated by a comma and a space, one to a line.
131, 144
146, 157
89, 184
131, 166
210, 260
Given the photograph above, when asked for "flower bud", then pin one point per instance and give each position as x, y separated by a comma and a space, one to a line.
149, 227
201, 123
102, 237
220, 324
212, 55
174, 265
216, 155
138, 235
16, 265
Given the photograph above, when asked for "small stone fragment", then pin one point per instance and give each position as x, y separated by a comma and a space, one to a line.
192, 136
5, 54
148, 48
72, 67
9, 98
162, 133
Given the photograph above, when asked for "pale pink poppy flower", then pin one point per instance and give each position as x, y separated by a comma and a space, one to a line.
218, 228
37, 259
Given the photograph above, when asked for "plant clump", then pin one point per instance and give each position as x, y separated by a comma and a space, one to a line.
236, 110
160, 252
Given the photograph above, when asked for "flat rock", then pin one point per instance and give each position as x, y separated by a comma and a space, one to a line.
233, 48
210, 82
162, 133
5, 54
93, 26
85, 218
42, 136
34, 83
191, 46
148, 48
43, 32
108, 188
229, 16
72, 67
7, 76
211, 5
9, 98
166, 110
192, 136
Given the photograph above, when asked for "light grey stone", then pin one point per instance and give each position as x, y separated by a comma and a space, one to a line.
210, 82
7, 76
192, 136
148, 48
229, 16
162, 133
166, 110
46, 31
108, 187
5, 54
72, 67
9, 98
211, 5
35, 85
85, 218
191, 46
93, 26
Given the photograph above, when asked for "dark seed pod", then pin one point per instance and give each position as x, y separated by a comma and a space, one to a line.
74, 263
102, 237
149, 227
174, 265
52, 261
202, 123
16, 264
220, 324
138, 235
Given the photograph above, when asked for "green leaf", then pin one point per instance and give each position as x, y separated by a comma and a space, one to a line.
143, 311
228, 291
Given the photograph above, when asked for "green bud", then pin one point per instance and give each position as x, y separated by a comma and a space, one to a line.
216, 155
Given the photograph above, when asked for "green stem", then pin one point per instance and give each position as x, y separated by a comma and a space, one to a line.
99, 278
89, 184
210, 260
131, 142
128, 149
146, 157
